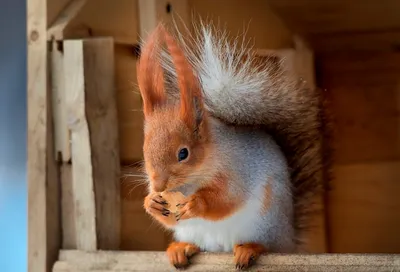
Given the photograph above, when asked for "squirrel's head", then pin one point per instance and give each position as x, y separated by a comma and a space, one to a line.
176, 136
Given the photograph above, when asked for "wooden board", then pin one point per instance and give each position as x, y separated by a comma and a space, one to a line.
331, 25
157, 261
364, 208
68, 224
90, 88
338, 15
43, 185
364, 100
363, 202
129, 105
61, 132
257, 19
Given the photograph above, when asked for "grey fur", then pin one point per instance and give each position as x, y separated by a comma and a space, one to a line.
253, 160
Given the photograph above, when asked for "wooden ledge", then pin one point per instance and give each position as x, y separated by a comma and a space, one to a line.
102, 261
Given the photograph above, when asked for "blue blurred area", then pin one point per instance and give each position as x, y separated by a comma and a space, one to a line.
13, 187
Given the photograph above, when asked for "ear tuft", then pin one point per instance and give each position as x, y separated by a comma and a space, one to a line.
191, 101
150, 75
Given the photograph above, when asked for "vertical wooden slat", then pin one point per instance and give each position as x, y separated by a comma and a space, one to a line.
67, 208
89, 68
43, 185
61, 132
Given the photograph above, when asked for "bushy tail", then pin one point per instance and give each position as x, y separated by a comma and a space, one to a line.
240, 89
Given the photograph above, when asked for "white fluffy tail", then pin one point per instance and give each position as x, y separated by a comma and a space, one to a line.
237, 87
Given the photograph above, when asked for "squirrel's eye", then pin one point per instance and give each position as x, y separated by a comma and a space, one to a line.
183, 154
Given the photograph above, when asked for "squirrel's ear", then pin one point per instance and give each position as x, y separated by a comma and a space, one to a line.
150, 74
191, 100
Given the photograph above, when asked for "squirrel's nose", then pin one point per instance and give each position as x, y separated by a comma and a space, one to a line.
159, 186
159, 183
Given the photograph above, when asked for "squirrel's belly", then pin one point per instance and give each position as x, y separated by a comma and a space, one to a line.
221, 236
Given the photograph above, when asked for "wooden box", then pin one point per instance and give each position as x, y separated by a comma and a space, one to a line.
85, 135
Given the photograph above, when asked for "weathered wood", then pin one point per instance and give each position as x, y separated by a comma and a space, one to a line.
67, 208
102, 261
58, 29
61, 132
43, 185
129, 105
89, 67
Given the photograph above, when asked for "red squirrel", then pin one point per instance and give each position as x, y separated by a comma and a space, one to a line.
217, 178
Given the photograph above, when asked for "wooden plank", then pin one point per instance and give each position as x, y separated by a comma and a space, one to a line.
364, 207
384, 40
364, 100
338, 15
129, 105
103, 261
258, 21
67, 208
89, 66
43, 186
82, 175
54, 7
58, 29
61, 131
121, 21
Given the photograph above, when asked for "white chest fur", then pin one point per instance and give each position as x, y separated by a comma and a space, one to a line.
221, 236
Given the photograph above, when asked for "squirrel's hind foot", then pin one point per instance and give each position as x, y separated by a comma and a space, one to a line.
247, 254
179, 254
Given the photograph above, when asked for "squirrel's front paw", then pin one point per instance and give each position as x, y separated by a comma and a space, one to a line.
157, 206
193, 207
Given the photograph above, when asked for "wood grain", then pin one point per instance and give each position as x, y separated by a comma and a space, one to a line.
89, 66
43, 185
157, 261
58, 29
364, 100
67, 208
61, 132
363, 201
82, 175
129, 105
364, 205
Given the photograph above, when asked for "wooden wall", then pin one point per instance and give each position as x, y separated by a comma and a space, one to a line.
364, 203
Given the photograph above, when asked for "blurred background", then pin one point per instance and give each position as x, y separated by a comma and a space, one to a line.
13, 189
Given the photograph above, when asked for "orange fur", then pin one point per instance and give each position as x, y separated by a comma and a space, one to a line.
187, 82
211, 202
150, 75
267, 197
246, 254
179, 253
165, 134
